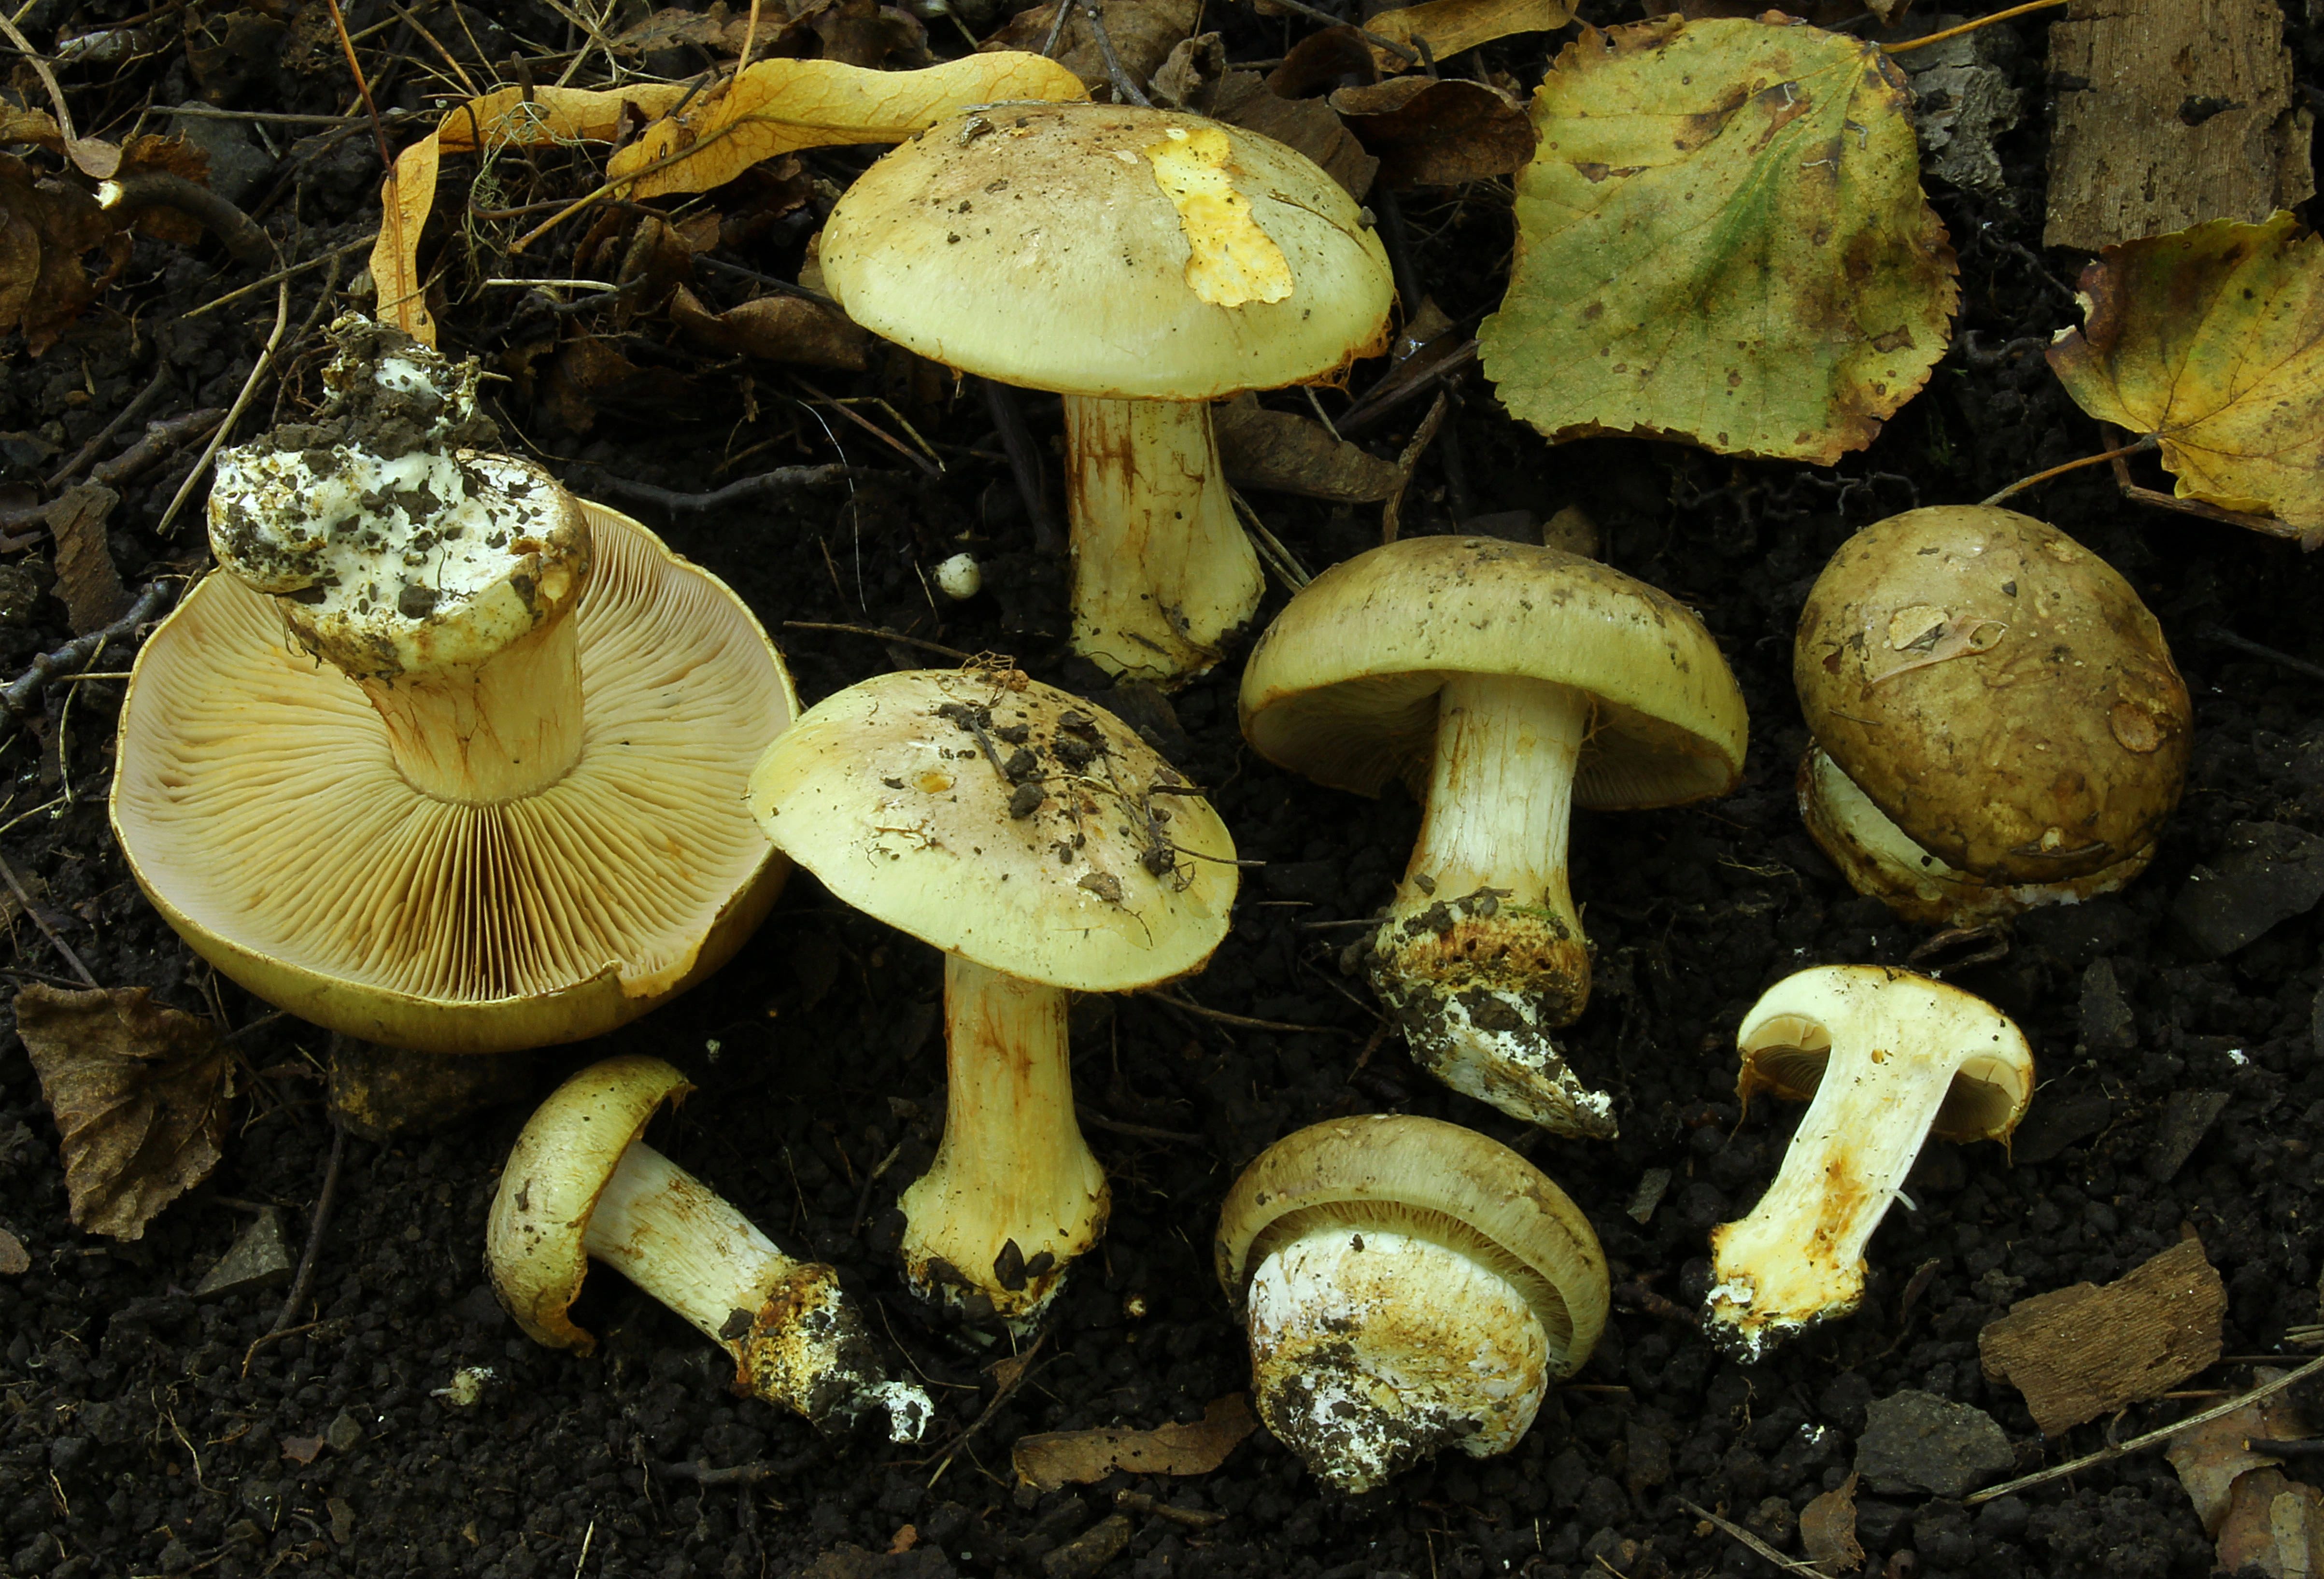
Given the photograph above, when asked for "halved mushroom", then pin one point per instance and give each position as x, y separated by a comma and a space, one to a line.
581, 1186
1045, 849
1410, 1285
1997, 720
504, 809
1886, 1057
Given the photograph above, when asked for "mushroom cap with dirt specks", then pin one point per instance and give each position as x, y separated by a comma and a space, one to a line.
1342, 687
261, 811
1997, 689
1038, 244
1426, 1180
550, 1186
976, 811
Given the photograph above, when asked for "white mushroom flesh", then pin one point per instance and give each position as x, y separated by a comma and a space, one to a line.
1372, 1350
796, 1339
1482, 953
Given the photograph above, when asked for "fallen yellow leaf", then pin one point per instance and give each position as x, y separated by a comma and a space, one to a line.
778, 106
405, 197
1721, 238
1451, 26
2212, 340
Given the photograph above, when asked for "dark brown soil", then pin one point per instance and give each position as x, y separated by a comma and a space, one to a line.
140, 1432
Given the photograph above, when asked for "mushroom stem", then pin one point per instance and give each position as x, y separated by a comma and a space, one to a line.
480, 734
1481, 954
1163, 572
1372, 1349
795, 1339
1014, 1193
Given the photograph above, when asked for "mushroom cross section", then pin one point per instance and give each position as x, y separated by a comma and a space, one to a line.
1504, 683
1140, 264
1046, 849
1998, 723
1886, 1057
580, 1185
504, 809
1408, 1285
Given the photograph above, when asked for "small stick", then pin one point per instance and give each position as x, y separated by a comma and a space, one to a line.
1789, 1565
1954, 33
153, 188
1025, 465
1245, 1020
2281, 660
17, 887
17, 699
362, 244
128, 414
1123, 87
1408, 56
304, 1283
2022, 484
2059, 1472
882, 634
1142, 1132
742, 490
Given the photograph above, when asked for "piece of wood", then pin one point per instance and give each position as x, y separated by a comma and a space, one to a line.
2081, 1352
2169, 114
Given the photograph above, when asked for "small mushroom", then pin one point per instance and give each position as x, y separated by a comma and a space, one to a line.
1046, 849
445, 758
1409, 1285
1505, 684
580, 1185
1141, 263
1888, 1059
1997, 720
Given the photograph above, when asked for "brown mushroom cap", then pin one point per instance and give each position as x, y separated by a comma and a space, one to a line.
1342, 687
261, 810
1997, 689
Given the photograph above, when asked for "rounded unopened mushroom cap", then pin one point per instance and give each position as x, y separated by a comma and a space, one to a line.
261, 809
1110, 251
533, 1238
1431, 1181
1006, 820
1997, 689
1787, 1037
1342, 687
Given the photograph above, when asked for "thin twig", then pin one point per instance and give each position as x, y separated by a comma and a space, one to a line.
883, 634
122, 419
1245, 1020
21, 692
2135, 447
742, 490
361, 245
1409, 56
1143, 1132
1954, 33
2245, 645
1123, 87
250, 385
2216, 1412
1790, 1564
1024, 465
16, 887
303, 1284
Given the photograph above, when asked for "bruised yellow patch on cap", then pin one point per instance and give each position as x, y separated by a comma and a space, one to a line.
1230, 260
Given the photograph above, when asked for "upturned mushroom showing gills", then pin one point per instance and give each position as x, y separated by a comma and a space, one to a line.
445, 758
1504, 683
1997, 720
1886, 1058
1046, 849
1409, 1286
1139, 263
581, 1186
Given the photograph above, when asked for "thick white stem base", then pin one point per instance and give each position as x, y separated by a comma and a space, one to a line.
1481, 954
795, 1339
1014, 1193
1371, 1351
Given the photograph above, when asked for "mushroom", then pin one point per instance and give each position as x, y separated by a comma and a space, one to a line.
1045, 849
504, 809
1504, 683
580, 1184
1997, 720
1409, 1285
1139, 263
1888, 1058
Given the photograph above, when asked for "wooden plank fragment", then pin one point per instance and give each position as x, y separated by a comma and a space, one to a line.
2081, 1352
2169, 114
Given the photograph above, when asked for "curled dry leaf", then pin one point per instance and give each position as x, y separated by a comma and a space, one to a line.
139, 1092
1143, 33
1060, 1458
46, 227
1451, 26
776, 328
2212, 339
1286, 453
1827, 1530
777, 107
1437, 131
1722, 238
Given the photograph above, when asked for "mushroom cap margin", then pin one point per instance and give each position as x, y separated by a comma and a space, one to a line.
1343, 686
1441, 1177
550, 1186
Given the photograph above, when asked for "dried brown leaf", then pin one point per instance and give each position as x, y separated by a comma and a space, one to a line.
1437, 132
148, 153
1332, 58
13, 1259
776, 328
1285, 453
139, 1092
1143, 33
1827, 1530
1240, 98
2081, 1352
28, 125
1060, 1458
2274, 1525
862, 33
87, 579
1451, 26
46, 229
2212, 1457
